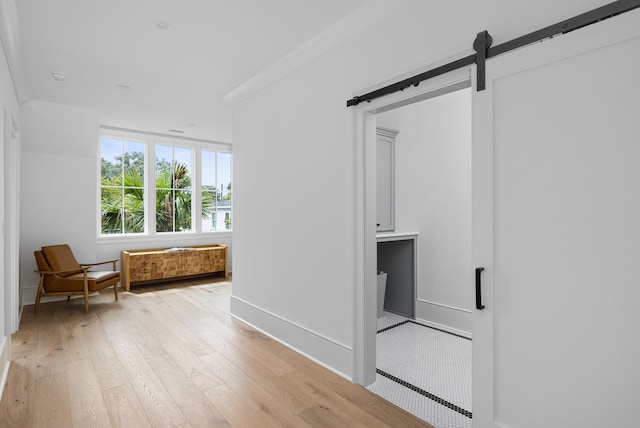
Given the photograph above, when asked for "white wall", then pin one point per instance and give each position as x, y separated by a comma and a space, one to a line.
58, 183
5, 79
8, 102
296, 281
433, 198
59, 191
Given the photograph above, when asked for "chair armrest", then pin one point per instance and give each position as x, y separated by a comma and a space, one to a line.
101, 263
56, 272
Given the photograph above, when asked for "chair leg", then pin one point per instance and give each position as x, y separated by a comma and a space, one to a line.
86, 294
115, 290
68, 297
39, 294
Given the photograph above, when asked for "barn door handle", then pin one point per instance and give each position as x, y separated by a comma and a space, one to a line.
479, 304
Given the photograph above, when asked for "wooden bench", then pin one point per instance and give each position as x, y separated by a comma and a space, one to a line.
166, 263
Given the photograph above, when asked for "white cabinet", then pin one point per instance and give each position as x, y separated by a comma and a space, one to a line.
385, 179
396, 256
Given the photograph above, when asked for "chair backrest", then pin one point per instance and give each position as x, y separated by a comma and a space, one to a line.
60, 257
41, 261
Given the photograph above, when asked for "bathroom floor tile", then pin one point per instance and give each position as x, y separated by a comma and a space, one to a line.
424, 371
388, 319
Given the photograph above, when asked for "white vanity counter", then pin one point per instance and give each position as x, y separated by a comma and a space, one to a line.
395, 236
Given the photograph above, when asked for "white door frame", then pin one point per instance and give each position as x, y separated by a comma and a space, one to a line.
363, 135
11, 225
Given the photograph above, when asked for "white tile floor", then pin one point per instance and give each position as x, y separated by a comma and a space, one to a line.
424, 371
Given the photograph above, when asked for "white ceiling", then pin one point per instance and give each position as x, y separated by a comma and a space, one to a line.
177, 76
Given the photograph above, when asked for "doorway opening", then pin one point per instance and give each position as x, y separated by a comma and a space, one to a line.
431, 235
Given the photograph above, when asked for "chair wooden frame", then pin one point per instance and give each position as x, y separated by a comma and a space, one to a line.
84, 269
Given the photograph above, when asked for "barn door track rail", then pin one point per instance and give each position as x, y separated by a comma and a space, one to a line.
484, 51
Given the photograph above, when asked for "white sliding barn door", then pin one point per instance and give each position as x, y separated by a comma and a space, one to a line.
556, 206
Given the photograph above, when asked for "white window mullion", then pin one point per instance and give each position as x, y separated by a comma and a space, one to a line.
173, 189
122, 191
215, 193
196, 197
150, 190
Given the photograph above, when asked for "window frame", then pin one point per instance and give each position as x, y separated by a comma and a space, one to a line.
100, 187
174, 190
150, 140
217, 204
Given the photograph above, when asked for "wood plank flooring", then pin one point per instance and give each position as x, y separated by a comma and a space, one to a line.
170, 355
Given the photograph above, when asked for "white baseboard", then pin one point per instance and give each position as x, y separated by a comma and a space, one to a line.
444, 328
322, 350
5, 361
29, 295
448, 318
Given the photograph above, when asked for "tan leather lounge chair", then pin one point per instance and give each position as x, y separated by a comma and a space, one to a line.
62, 275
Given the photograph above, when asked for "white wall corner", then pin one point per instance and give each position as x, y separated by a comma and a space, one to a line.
322, 350
29, 295
448, 318
11, 37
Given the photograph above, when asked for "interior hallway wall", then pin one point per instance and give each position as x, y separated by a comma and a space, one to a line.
433, 198
293, 150
8, 101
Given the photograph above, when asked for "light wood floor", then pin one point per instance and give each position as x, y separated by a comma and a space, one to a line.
170, 355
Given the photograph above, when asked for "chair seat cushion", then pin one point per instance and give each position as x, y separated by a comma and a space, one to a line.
96, 280
97, 276
102, 275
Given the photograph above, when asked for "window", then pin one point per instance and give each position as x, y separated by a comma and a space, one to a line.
173, 188
216, 190
122, 186
150, 186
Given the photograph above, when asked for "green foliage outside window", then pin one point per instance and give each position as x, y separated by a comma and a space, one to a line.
122, 208
122, 188
122, 199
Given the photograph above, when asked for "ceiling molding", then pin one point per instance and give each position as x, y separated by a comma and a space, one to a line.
11, 37
352, 24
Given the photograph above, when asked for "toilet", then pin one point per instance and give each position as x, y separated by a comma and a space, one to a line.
382, 288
